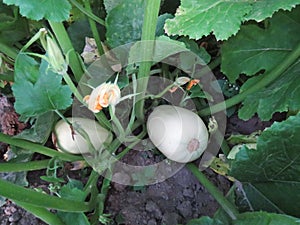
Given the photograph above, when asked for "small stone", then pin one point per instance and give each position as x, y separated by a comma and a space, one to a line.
152, 207
185, 209
170, 218
152, 222
9, 210
187, 192
14, 217
120, 181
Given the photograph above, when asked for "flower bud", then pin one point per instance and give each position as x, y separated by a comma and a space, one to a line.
55, 57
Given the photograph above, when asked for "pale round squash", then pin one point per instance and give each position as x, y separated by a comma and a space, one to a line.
178, 133
72, 142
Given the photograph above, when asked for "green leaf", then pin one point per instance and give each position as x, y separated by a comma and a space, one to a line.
163, 49
110, 4
78, 31
281, 96
2, 201
124, 23
38, 92
256, 200
254, 48
40, 129
274, 167
199, 51
54, 10
18, 178
73, 218
264, 218
265, 8
161, 23
13, 27
197, 18
73, 190
26, 68
205, 220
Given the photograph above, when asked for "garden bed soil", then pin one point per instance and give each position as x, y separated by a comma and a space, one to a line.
176, 200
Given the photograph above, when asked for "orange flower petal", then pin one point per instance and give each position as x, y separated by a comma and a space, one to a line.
98, 107
86, 98
192, 83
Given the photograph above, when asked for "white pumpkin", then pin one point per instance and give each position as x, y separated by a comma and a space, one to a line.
178, 133
68, 140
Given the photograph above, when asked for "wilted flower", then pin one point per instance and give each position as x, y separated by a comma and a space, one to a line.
102, 96
182, 80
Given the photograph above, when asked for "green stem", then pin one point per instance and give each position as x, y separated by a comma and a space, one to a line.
148, 33
106, 182
130, 146
38, 199
88, 13
41, 213
23, 166
225, 147
7, 50
114, 145
117, 123
219, 138
104, 122
73, 88
267, 79
104, 190
38, 148
92, 181
228, 207
94, 28
67, 47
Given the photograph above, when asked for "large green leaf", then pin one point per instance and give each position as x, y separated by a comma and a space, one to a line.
274, 167
41, 128
255, 48
264, 218
124, 23
197, 18
13, 27
264, 9
256, 200
205, 220
54, 10
110, 4
39, 91
250, 218
281, 96
73, 190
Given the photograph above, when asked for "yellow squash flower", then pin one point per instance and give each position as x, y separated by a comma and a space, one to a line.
102, 96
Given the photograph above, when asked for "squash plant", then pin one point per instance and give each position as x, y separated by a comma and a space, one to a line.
259, 53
